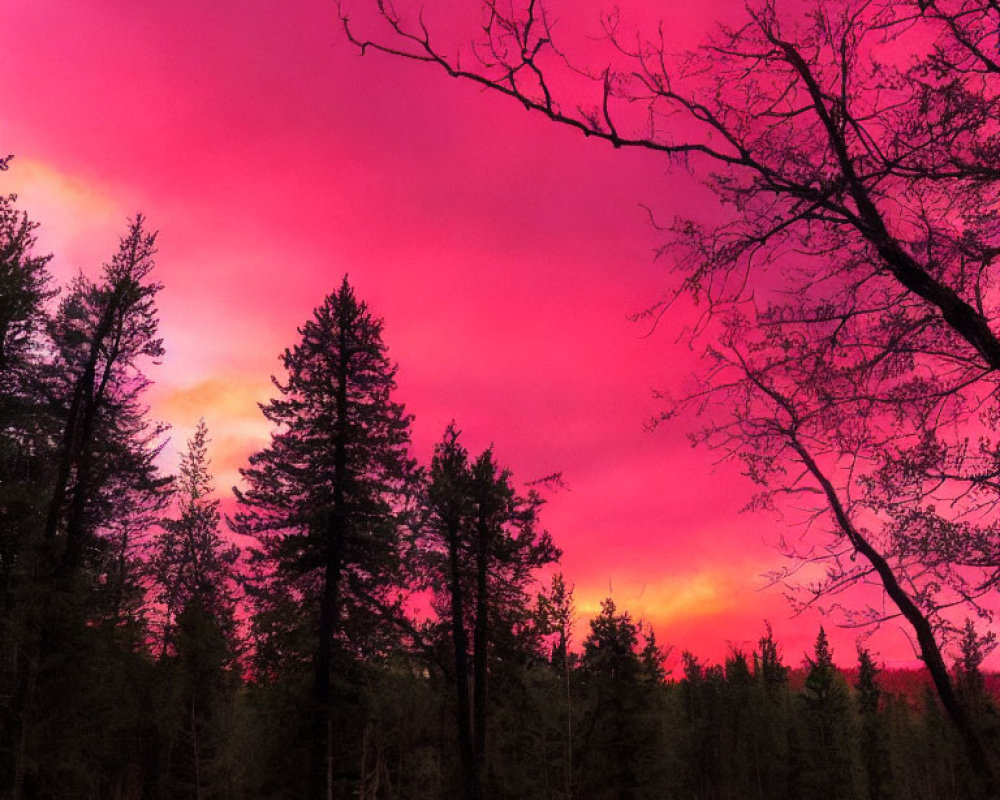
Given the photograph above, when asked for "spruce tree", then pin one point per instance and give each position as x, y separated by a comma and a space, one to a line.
970, 683
768, 668
323, 498
193, 568
828, 734
774, 754
481, 548
191, 563
874, 753
506, 548
619, 720
449, 506
25, 284
555, 610
651, 658
25, 427
104, 492
610, 647
104, 333
27, 431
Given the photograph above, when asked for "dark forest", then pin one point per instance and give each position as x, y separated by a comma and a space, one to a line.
363, 625
354, 621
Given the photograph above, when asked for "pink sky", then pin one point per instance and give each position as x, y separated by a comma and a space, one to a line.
505, 255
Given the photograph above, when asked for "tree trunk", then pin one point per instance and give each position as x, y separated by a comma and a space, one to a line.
195, 755
569, 716
480, 641
321, 768
466, 750
322, 750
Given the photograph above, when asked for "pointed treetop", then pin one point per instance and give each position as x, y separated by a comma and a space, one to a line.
822, 654
868, 689
768, 668
195, 479
449, 467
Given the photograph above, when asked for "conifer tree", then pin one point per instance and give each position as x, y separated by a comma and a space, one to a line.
610, 647
481, 547
324, 496
741, 735
104, 492
194, 572
505, 548
620, 718
768, 667
104, 332
651, 658
25, 284
191, 563
772, 712
555, 609
867, 687
821, 681
970, 683
828, 736
449, 504
874, 754
27, 430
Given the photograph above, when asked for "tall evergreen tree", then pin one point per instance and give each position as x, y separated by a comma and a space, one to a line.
768, 668
970, 685
969, 682
741, 726
193, 568
25, 430
651, 657
772, 710
828, 733
104, 333
555, 609
26, 434
620, 718
25, 284
874, 754
104, 493
191, 563
449, 505
482, 547
323, 497
507, 547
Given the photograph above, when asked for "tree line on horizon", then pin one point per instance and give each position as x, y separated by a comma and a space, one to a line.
144, 655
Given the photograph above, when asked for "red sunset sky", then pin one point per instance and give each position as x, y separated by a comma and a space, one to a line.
506, 256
